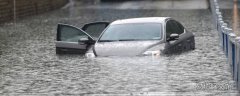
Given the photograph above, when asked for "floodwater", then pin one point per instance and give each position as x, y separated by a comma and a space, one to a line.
30, 67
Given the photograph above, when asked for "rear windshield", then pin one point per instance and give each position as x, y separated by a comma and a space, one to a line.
140, 31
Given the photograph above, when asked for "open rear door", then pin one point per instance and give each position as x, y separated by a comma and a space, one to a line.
72, 40
95, 29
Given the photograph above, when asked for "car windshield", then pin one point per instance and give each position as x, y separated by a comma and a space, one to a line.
132, 32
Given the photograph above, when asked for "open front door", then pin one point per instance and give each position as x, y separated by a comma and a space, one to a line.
72, 40
95, 29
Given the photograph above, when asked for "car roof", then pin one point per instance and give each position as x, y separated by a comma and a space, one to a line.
141, 20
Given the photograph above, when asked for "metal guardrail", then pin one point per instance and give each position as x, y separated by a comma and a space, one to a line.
229, 41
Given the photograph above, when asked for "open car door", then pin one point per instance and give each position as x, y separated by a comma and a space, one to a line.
95, 29
72, 40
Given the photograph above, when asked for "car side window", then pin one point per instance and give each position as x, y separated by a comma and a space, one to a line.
180, 28
170, 28
173, 27
71, 34
95, 30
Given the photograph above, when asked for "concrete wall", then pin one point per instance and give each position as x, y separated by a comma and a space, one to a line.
27, 7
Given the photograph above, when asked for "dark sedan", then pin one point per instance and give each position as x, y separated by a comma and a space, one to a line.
127, 37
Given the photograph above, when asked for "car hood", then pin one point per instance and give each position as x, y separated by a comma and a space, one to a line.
124, 48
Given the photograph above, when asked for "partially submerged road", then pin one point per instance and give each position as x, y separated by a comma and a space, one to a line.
29, 65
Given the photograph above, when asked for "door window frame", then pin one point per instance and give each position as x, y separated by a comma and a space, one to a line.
180, 25
170, 19
59, 31
86, 25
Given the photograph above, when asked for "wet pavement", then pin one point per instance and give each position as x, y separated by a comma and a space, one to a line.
30, 67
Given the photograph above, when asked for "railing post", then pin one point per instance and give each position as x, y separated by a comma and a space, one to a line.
219, 22
226, 40
218, 17
237, 42
230, 50
223, 30
232, 55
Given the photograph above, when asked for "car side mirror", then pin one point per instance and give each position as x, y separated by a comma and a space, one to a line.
173, 37
83, 40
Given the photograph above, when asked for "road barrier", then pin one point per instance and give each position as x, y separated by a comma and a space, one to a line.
229, 41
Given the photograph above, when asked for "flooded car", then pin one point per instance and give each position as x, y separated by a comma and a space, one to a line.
127, 37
